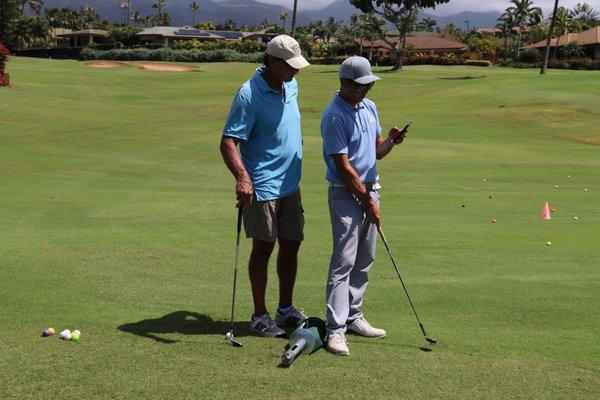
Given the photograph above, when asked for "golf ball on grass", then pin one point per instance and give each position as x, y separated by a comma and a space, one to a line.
65, 335
548, 243
493, 220
575, 218
74, 338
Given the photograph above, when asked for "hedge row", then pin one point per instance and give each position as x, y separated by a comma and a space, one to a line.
166, 54
584, 64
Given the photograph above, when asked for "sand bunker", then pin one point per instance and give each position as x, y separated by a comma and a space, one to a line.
105, 64
167, 67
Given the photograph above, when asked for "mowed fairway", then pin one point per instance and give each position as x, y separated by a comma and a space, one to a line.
117, 218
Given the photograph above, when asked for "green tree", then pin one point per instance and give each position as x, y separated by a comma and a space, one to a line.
30, 32
64, 18
34, 5
194, 6
89, 16
525, 14
584, 16
125, 6
138, 18
374, 29
402, 14
206, 26
159, 5
507, 23
9, 10
284, 16
427, 24
562, 26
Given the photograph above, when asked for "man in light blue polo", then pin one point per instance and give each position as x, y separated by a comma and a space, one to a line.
264, 120
352, 142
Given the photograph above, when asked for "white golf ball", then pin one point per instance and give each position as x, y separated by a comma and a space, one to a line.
548, 243
556, 186
569, 176
575, 218
484, 180
66, 334
585, 190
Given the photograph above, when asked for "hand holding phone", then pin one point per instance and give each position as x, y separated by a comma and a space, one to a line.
402, 134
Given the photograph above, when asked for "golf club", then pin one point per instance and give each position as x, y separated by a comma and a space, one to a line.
427, 338
229, 336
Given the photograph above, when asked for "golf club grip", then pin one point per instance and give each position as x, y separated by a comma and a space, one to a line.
239, 219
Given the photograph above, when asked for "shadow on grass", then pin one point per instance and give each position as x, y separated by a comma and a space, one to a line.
464, 77
182, 322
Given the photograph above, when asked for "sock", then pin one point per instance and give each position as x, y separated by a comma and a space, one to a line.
283, 309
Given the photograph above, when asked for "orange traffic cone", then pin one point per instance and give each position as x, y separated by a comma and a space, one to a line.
545, 212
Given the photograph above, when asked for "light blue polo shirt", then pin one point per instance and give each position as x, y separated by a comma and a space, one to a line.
268, 125
352, 131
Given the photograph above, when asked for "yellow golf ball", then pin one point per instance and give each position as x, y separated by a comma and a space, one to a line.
74, 338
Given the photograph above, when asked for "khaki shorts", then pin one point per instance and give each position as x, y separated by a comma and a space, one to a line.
268, 220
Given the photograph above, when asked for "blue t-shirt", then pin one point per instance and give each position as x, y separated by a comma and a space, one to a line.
352, 131
268, 125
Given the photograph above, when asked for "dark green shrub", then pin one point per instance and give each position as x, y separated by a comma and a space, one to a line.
530, 56
166, 54
571, 49
478, 63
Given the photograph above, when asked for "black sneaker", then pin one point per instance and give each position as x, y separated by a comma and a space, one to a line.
293, 318
265, 326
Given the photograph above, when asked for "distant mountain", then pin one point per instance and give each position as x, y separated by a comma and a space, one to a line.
245, 12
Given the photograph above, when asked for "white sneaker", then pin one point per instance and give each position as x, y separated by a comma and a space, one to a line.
336, 343
362, 327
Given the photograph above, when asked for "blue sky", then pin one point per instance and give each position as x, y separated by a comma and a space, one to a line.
453, 7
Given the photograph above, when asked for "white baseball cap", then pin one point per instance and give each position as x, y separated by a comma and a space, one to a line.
288, 49
357, 69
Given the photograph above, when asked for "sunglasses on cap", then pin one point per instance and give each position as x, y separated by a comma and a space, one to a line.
362, 87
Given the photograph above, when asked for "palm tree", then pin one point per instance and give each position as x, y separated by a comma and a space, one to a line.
285, 15
525, 14
426, 24
547, 51
34, 5
125, 7
159, 4
331, 28
89, 16
194, 6
207, 26
585, 12
562, 25
506, 23
138, 18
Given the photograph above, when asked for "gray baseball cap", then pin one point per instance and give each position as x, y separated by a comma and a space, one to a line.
358, 69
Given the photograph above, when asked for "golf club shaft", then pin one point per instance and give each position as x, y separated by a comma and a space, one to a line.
237, 264
401, 280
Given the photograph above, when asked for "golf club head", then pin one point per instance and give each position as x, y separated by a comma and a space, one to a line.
426, 349
232, 341
431, 340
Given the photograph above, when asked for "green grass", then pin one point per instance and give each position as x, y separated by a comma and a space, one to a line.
117, 218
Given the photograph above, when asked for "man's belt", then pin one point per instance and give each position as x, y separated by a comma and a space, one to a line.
369, 185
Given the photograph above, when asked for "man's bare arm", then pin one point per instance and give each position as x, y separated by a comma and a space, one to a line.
244, 189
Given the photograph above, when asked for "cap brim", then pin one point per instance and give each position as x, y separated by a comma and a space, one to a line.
297, 62
363, 80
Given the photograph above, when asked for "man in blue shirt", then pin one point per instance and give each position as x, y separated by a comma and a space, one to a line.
264, 120
352, 142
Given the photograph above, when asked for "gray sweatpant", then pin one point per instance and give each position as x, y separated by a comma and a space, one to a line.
354, 240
